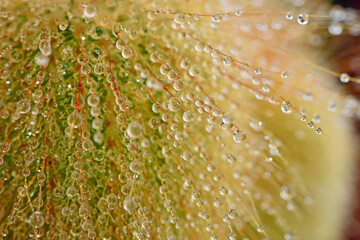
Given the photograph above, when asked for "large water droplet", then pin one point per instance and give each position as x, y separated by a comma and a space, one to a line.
37, 219
134, 129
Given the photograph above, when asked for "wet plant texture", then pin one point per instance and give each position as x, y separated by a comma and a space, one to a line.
173, 120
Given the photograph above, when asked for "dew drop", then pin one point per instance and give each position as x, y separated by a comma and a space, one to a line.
284, 74
335, 29
233, 214
217, 17
129, 204
178, 85
89, 12
74, 119
63, 26
11, 219
41, 60
258, 70
119, 45
45, 47
186, 155
194, 70
286, 107
93, 100
231, 158
228, 60
174, 105
260, 229
344, 78
87, 144
188, 116
71, 191
37, 219
127, 53
224, 191
233, 236
303, 19
289, 16
239, 136
228, 118
238, 12
135, 167
24, 106
179, 18
195, 195
318, 130
165, 69
134, 129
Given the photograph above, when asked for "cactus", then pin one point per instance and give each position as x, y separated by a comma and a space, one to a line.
211, 120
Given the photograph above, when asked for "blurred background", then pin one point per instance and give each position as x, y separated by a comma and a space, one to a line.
347, 59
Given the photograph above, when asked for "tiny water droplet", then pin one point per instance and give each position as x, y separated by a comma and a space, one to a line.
344, 78
303, 19
179, 18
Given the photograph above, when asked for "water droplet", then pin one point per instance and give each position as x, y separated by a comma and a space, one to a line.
194, 70
303, 19
186, 155
127, 53
179, 18
75, 119
93, 100
178, 85
41, 60
71, 191
134, 129
215, 53
331, 106
24, 106
165, 69
260, 229
119, 45
318, 130
37, 219
135, 167
231, 158
224, 191
129, 204
228, 60
217, 17
289, 16
87, 144
233, 214
344, 78
238, 12
199, 46
89, 12
285, 193
286, 107
335, 29
188, 116
172, 75
45, 47
233, 236
213, 237
63, 26
239, 136
185, 63
284, 74
195, 195
228, 118
11, 219
258, 70
174, 104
